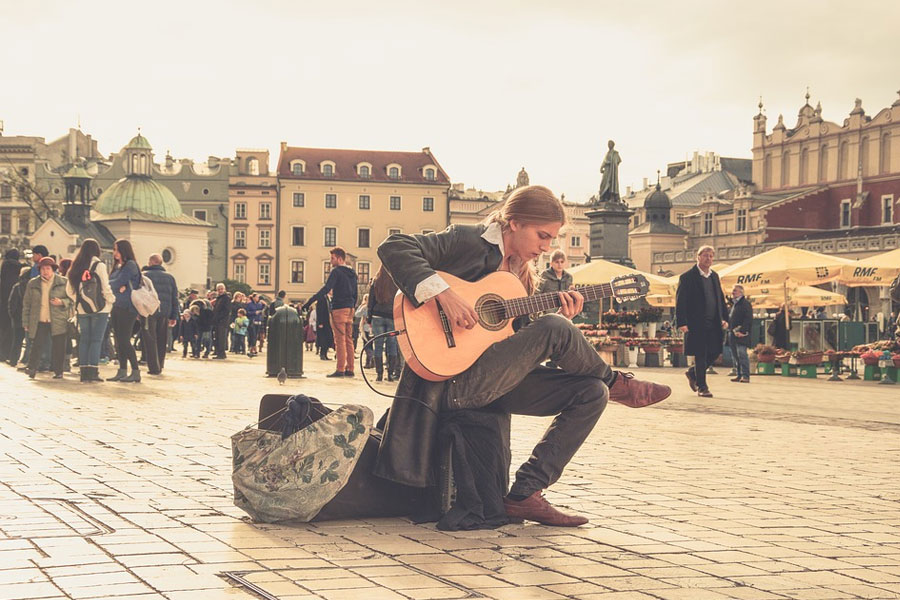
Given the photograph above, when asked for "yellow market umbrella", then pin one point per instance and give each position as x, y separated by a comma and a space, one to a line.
775, 267
878, 270
804, 295
661, 300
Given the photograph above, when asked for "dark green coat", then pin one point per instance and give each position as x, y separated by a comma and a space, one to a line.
31, 306
551, 283
410, 435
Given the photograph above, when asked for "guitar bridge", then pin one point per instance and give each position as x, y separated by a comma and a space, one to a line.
445, 325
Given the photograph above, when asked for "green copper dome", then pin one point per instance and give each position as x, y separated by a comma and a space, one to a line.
139, 141
138, 194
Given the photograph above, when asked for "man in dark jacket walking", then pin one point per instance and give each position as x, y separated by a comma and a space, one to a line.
739, 322
221, 318
9, 276
17, 330
154, 334
700, 312
342, 283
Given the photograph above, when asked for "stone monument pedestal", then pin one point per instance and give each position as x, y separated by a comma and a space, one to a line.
609, 232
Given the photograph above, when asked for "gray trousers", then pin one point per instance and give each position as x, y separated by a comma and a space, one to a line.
509, 377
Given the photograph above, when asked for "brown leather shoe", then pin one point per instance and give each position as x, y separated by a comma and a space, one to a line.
536, 508
692, 379
635, 393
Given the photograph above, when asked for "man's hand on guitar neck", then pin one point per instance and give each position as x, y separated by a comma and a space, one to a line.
459, 312
571, 303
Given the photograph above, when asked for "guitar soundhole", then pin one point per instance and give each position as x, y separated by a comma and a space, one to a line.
491, 312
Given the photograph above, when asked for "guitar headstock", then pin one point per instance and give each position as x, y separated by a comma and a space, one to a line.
629, 287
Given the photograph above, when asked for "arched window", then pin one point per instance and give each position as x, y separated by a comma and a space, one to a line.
429, 174
328, 170
804, 166
144, 169
843, 160
885, 154
786, 169
364, 171
134, 164
767, 172
823, 164
297, 167
394, 173
864, 156
253, 166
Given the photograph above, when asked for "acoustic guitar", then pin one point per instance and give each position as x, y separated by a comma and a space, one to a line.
436, 351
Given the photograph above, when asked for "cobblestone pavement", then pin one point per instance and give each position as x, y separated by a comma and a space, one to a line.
784, 488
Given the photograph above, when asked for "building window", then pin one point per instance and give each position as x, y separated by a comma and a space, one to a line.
575, 242
264, 273
326, 270
362, 237
707, 224
298, 236
741, 221
393, 231
844, 161
240, 238
200, 214
168, 256
428, 204
823, 164
265, 210
887, 210
364, 202
884, 156
429, 174
240, 210
5, 222
297, 168
328, 170
240, 272
206, 191
845, 213
5, 191
786, 169
265, 238
365, 172
767, 172
394, 173
330, 200
299, 200
297, 271
330, 237
395, 203
253, 166
363, 270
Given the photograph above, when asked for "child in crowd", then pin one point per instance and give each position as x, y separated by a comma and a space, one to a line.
189, 333
241, 323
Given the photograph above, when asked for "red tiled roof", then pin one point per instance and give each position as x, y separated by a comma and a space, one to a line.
412, 165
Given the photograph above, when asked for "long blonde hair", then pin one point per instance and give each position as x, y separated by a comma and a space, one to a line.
530, 205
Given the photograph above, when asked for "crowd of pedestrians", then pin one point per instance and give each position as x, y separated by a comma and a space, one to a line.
85, 309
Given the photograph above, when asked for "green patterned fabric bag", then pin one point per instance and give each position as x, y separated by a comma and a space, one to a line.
279, 479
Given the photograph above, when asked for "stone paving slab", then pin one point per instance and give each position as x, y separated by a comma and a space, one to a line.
783, 488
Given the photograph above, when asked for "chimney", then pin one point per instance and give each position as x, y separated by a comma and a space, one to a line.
628, 189
426, 150
213, 162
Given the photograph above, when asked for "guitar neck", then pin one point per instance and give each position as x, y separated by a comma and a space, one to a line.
526, 305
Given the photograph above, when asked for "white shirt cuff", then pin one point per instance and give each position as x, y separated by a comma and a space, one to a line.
430, 287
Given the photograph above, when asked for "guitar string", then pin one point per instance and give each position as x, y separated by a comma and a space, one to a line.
537, 303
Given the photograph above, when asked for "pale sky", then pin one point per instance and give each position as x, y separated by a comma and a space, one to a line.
489, 86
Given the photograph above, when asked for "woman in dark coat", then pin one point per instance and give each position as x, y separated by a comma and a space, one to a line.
17, 331
780, 331
9, 275
324, 335
125, 277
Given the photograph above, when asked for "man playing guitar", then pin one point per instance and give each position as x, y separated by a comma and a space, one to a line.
508, 376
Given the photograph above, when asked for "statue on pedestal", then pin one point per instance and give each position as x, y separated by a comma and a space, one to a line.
609, 185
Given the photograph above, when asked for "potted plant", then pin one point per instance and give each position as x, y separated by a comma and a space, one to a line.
631, 350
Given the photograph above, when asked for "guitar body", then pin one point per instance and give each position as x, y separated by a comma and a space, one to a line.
423, 339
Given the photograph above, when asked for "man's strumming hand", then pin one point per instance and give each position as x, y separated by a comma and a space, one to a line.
459, 312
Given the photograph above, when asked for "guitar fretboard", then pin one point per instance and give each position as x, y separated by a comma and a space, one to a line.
540, 302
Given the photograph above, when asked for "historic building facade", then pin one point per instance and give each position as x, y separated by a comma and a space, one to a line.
818, 185
353, 199
27, 196
253, 209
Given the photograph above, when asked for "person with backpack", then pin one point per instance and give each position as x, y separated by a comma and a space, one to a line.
88, 287
154, 334
125, 277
